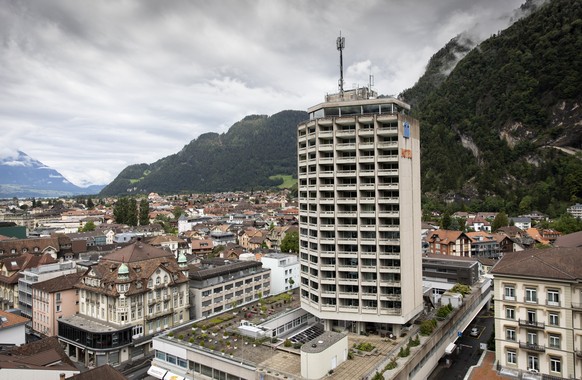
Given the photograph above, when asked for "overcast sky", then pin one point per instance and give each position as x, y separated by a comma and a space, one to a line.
90, 87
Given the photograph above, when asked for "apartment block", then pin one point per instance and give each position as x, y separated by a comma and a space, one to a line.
359, 217
538, 312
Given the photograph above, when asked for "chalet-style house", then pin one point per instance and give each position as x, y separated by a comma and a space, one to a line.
447, 242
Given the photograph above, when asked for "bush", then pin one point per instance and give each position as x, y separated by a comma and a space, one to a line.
378, 376
404, 352
393, 364
427, 327
298, 346
365, 346
287, 343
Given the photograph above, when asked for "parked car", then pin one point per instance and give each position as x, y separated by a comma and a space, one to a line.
474, 331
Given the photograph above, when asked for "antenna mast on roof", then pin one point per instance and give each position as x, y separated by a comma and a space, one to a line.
341, 44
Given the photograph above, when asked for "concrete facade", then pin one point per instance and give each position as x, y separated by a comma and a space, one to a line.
359, 218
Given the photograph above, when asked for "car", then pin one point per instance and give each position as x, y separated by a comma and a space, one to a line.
474, 331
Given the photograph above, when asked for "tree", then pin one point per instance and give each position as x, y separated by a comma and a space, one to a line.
446, 221
89, 226
501, 220
90, 204
132, 212
120, 210
290, 242
144, 212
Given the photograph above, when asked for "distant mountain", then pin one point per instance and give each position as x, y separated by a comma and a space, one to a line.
22, 176
253, 149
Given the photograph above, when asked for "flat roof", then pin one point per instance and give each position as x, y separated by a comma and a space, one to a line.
322, 342
91, 325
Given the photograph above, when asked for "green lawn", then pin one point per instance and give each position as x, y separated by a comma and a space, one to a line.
288, 181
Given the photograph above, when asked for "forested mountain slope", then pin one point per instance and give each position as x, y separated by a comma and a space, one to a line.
243, 158
505, 125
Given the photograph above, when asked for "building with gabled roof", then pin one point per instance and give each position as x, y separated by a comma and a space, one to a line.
43, 359
448, 242
12, 329
130, 295
10, 269
538, 309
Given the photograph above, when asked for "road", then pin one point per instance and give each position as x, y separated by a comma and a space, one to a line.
468, 349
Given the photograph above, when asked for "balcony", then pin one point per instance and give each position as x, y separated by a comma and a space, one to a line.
577, 306
532, 324
532, 347
579, 354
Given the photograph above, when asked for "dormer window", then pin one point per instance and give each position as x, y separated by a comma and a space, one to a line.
150, 283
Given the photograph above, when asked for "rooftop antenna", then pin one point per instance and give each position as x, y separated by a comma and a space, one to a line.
370, 84
341, 44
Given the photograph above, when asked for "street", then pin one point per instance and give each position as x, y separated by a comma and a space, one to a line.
468, 349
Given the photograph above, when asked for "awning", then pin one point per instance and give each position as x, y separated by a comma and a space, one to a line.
450, 348
157, 372
173, 376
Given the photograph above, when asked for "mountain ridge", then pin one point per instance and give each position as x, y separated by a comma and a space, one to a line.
23, 176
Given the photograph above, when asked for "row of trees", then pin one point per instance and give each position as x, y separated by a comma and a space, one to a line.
127, 211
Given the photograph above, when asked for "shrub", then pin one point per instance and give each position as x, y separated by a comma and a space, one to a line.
181, 337
404, 352
365, 346
298, 346
378, 376
191, 340
393, 364
287, 343
427, 327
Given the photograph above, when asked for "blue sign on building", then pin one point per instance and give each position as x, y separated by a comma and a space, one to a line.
406, 132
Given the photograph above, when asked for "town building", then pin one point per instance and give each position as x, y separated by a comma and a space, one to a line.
130, 295
450, 243
34, 275
538, 312
43, 359
53, 299
10, 268
575, 210
484, 244
217, 285
284, 271
359, 212
12, 329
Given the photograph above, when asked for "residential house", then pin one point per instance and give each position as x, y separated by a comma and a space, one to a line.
37, 246
12, 330
131, 294
550, 235
538, 309
53, 299
277, 234
98, 373
172, 243
201, 247
44, 359
10, 269
447, 242
535, 234
484, 244
222, 237
505, 243
478, 223
575, 210
522, 223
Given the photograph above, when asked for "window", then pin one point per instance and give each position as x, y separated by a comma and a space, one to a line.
533, 363
554, 319
555, 365
554, 341
531, 295
510, 334
58, 308
531, 316
511, 357
509, 293
510, 313
553, 298
532, 338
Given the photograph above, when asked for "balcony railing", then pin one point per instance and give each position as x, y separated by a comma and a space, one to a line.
532, 346
532, 324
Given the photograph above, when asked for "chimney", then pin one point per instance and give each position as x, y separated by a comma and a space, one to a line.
61, 376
